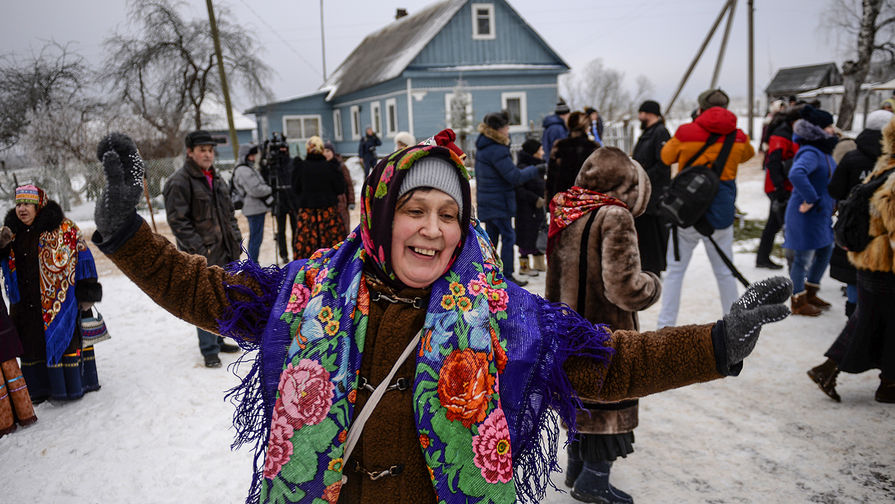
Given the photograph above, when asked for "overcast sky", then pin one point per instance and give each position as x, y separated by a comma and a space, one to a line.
638, 37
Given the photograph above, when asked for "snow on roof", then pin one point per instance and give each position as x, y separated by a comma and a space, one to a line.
214, 117
496, 66
383, 55
833, 90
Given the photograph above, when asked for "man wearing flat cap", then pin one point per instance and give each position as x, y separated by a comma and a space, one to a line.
201, 217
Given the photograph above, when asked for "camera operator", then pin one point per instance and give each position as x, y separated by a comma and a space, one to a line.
276, 167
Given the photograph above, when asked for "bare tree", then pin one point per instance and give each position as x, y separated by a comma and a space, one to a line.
602, 88
167, 71
869, 26
461, 113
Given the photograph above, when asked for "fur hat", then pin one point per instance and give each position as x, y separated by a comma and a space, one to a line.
578, 121
713, 98
405, 138
531, 146
611, 171
817, 117
561, 107
650, 107
436, 173
878, 119
497, 120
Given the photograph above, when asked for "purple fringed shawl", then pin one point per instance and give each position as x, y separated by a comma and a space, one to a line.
540, 337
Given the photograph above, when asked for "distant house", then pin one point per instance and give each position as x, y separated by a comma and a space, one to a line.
214, 120
404, 77
795, 80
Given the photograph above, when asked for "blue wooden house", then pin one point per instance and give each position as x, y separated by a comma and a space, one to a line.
474, 54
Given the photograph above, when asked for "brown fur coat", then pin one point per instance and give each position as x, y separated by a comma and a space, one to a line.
880, 253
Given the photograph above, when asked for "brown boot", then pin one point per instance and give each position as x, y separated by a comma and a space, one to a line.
824, 376
538, 262
7, 419
886, 391
801, 306
812, 289
524, 269
18, 393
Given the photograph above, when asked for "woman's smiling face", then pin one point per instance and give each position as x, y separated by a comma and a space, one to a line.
425, 233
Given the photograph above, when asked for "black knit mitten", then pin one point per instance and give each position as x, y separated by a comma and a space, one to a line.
124, 183
762, 303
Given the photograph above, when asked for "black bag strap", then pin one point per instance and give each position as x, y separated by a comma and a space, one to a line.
718, 165
708, 143
733, 269
582, 263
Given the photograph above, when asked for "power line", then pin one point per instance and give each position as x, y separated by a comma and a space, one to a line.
285, 43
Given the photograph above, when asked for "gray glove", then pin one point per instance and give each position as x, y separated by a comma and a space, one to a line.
762, 303
124, 183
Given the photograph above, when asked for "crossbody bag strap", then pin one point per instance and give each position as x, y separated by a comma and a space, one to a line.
708, 143
718, 165
582, 263
357, 426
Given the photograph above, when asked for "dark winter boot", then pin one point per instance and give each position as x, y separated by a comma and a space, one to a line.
574, 464
593, 485
886, 391
824, 376
850, 308
801, 306
812, 289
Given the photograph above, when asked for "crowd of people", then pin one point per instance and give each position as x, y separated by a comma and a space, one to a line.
429, 274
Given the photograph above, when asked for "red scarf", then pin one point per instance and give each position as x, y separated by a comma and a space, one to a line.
570, 205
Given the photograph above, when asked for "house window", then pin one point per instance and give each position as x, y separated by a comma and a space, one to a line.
514, 104
299, 128
355, 122
337, 125
483, 21
391, 117
454, 117
376, 117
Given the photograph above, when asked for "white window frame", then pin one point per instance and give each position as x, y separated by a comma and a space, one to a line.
337, 125
301, 121
447, 111
523, 109
355, 122
475, 21
391, 127
376, 117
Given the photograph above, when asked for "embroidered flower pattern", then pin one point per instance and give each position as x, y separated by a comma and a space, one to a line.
305, 393
298, 299
491, 449
279, 447
465, 386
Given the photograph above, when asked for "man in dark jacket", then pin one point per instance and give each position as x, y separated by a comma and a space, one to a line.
781, 151
652, 231
497, 178
555, 126
201, 217
367, 150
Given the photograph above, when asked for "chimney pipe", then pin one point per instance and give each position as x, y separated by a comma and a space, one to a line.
399, 13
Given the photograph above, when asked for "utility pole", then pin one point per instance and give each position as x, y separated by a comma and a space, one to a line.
322, 41
705, 43
220, 57
751, 69
723, 49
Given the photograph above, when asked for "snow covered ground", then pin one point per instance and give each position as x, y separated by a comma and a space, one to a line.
159, 429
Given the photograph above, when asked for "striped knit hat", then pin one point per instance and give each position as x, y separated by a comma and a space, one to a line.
31, 194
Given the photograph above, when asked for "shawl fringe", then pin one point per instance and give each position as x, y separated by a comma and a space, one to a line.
251, 418
565, 333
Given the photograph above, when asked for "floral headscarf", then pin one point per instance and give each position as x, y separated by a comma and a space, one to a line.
380, 197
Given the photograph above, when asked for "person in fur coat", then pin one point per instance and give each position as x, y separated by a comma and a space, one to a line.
50, 277
609, 287
868, 339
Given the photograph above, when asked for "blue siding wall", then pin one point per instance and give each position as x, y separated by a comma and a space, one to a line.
515, 42
381, 94
224, 151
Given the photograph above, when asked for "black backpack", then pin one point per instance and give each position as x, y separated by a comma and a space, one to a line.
852, 229
691, 192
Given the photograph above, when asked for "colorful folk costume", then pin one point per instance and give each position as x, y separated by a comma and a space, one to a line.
49, 272
15, 403
468, 418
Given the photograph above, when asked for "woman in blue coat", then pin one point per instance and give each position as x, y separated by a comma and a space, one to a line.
809, 231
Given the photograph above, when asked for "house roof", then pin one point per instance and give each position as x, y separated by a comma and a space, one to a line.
803, 78
384, 54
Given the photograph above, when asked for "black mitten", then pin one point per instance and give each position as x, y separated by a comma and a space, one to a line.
762, 303
124, 183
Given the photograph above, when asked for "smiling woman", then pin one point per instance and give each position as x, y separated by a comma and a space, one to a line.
468, 418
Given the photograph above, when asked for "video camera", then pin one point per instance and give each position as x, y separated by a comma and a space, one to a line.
276, 168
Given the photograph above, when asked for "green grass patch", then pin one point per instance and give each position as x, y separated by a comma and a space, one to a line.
749, 229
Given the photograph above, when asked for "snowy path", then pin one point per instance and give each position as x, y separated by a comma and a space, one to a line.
159, 429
